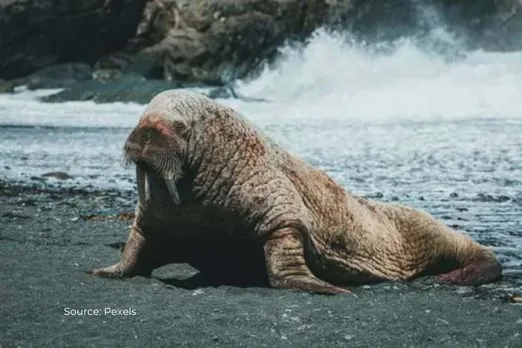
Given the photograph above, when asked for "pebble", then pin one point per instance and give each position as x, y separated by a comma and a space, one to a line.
197, 292
57, 175
463, 290
489, 198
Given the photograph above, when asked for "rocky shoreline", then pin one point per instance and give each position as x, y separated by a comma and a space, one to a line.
128, 50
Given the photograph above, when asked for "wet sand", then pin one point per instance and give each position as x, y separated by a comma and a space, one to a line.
47, 243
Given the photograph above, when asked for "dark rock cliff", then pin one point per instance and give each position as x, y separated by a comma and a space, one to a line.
214, 42
37, 33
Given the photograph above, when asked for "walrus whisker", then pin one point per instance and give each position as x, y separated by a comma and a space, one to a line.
128, 161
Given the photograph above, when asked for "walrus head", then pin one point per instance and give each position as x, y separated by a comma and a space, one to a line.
157, 148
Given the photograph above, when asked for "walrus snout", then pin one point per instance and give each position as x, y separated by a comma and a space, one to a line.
156, 150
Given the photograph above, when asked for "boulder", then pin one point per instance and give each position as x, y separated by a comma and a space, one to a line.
37, 33
217, 41
57, 76
493, 25
112, 86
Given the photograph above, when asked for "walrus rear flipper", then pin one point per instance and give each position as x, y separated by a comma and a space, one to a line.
482, 269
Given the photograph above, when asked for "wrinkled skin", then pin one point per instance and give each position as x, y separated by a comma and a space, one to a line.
216, 193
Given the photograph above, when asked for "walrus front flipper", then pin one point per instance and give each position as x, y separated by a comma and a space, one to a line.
134, 259
286, 266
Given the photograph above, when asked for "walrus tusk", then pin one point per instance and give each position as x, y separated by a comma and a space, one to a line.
141, 181
171, 186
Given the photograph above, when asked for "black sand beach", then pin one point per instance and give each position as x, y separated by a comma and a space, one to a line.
49, 237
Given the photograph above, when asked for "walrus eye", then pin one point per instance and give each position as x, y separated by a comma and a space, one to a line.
170, 182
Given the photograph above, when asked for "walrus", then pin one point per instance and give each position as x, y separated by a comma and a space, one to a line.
217, 193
